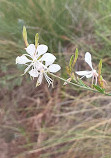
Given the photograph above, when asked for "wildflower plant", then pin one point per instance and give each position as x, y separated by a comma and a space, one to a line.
41, 63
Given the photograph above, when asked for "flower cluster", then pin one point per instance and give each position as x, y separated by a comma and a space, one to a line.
38, 63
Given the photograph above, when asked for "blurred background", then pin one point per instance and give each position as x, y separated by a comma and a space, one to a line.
59, 122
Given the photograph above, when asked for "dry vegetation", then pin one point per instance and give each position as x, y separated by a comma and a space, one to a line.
59, 122
54, 123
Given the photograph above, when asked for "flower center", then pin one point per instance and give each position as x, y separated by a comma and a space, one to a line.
34, 59
95, 73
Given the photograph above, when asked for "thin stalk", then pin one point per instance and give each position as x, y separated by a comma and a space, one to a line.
77, 85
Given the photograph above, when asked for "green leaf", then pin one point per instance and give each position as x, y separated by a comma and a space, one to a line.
81, 83
67, 69
99, 88
100, 67
25, 36
76, 57
36, 40
71, 62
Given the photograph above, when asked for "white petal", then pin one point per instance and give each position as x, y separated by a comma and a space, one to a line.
39, 66
27, 68
33, 73
89, 75
22, 60
48, 58
88, 59
41, 49
83, 73
54, 68
30, 49
39, 81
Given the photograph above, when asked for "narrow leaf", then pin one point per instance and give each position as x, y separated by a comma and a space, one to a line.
73, 76
101, 81
99, 88
100, 67
25, 36
76, 57
36, 40
68, 70
71, 62
81, 83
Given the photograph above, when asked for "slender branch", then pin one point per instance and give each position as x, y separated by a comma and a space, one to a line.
77, 85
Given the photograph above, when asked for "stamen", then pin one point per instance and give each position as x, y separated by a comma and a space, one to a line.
48, 79
95, 79
92, 79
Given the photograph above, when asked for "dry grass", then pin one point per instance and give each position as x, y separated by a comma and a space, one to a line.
55, 122
63, 122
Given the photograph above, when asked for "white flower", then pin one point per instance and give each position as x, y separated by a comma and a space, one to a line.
33, 54
52, 68
39, 62
88, 74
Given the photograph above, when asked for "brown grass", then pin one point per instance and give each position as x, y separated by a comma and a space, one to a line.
55, 123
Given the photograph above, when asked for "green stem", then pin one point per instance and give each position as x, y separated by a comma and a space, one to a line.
77, 85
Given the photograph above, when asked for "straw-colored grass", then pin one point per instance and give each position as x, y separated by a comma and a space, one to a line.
60, 122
